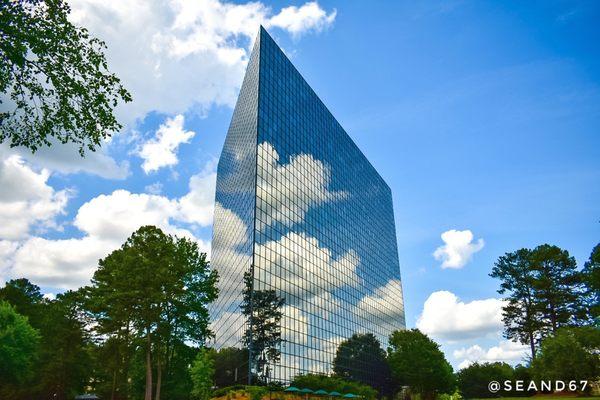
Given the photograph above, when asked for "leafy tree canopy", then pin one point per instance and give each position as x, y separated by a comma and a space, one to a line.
231, 366
571, 354
18, 349
202, 373
417, 361
54, 79
473, 380
361, 358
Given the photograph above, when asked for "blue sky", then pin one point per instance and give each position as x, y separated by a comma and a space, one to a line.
481, 116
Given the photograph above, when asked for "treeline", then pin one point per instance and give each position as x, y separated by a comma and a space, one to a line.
139, 331
133, 333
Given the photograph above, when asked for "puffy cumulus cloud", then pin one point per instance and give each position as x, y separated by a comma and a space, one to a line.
65, 159
65, 263
444, 316
297, 262
154, 188
27, 199
297, 20
506, 351
458, 248
197, 206
115, 216
7, 251
177, 54
384, 305
161, 150
307, 185
106, 221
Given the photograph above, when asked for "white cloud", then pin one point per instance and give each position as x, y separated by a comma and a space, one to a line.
65, 159
154, 188
178, 54
160, 151
65, 263
7, 251
506, 351
197, 206
106, 221
444, 316
26, 199
309, 178
115, 216
458, 248
309, 16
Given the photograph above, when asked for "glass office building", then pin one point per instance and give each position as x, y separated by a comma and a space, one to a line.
300, 209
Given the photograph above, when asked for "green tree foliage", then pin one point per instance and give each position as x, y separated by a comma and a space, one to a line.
473, 380
558, 287
571, 354
521, 315
26, 298
544, 291
18, 350
65, 365
591, 278
334, 383
262, 308
361, 358
231, 366
417, 361
202, 373
54, 78
153, 290
64, 362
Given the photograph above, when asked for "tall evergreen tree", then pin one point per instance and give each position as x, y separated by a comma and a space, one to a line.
155, 288
591, 279
521, 316
558, 287
544, 291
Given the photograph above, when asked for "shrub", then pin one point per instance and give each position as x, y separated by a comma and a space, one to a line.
571, 354
256, 392
473, 381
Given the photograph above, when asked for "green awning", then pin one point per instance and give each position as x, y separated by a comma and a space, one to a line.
292, 389
350, 396
335, 394
306, 390
322, 392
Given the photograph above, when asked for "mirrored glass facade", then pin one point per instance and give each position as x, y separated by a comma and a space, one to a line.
300, 208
